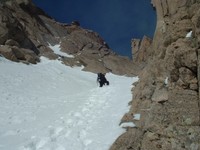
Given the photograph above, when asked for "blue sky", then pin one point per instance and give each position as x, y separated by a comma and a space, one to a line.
117, 21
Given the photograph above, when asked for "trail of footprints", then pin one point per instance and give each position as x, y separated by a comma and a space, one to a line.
75, 126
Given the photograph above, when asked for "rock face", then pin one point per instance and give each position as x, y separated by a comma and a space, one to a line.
140, 50
26, 33
167, 95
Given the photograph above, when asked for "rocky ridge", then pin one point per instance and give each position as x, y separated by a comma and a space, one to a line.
26, 33
167, 95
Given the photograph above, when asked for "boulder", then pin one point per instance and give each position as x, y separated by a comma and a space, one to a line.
12, 42
19, 54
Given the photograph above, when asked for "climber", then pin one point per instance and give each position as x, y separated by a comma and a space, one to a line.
102, 79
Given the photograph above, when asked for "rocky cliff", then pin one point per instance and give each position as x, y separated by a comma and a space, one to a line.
167, 95
26, 32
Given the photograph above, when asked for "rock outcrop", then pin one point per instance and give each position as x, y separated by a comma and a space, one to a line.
26, 32
140, 50
167, 95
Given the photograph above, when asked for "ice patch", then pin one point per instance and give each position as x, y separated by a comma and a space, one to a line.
189, 34
127, 124
136, 117
166, 81
56, 49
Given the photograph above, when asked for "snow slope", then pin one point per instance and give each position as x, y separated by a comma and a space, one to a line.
50, 106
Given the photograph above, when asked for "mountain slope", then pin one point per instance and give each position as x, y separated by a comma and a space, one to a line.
27, 32
52, 106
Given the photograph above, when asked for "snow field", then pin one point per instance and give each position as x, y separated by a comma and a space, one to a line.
50, 106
